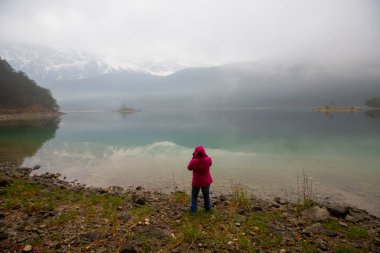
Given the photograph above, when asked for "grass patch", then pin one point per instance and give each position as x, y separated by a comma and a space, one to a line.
243, 243
344, 249
146, 243
332, 225
240, 197
191, 234
306, 247
305, 194
62, 218
356, 232
181, 197
141, 211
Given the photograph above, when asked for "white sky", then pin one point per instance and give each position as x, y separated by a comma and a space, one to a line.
199, 32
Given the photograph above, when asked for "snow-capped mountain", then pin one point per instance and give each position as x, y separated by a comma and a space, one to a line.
46, 65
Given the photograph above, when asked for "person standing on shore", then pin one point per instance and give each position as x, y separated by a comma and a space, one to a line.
200, 165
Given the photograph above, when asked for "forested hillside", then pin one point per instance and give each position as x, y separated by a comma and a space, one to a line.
19, 94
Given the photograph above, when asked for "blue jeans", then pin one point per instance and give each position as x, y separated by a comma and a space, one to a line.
194, 197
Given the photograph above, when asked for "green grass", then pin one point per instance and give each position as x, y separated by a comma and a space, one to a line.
306, 247
352, 232
62, 218
356, 232
240, 197
181, 197
344, 249
191, 234
213, 229
141, 211
332, 225
146, 243
243, 242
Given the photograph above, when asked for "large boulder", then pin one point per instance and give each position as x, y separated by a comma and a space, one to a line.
338, 210
316, 214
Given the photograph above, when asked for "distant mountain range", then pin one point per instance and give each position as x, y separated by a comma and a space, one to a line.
82, 81
46, 65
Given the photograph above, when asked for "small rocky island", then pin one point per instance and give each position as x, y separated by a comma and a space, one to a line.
125, 110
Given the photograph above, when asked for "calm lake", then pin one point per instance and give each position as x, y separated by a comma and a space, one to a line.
264, 149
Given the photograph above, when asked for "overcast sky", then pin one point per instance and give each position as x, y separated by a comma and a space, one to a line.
199, 32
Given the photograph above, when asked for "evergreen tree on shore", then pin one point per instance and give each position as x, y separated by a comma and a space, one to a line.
20, 94
373, 102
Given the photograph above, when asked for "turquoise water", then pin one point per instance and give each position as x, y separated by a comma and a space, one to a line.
263, 149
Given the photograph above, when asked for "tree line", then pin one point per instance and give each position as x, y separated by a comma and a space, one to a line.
18, 93
373, 102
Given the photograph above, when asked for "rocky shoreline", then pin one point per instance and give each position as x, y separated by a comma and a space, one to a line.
29, 116
45, 213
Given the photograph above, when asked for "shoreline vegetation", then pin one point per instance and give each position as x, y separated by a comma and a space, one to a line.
46, 213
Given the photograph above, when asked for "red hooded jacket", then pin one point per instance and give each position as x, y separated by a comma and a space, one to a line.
200, 165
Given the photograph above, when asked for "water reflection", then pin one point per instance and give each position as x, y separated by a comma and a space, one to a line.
23, 138
264, 149
373, 114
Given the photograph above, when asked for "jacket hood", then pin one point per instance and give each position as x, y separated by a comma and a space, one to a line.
199, 152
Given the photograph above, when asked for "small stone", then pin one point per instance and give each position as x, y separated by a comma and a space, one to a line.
230, 242
124, 218
349, 218
28, 248
257, 209
222, 198
4, 183
321, 244
3, 235
88, 247
279, 200
282, 250
130, 247
312, 229
237, 224
343, 224
140, 200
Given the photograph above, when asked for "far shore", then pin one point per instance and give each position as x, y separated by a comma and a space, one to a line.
331, 109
